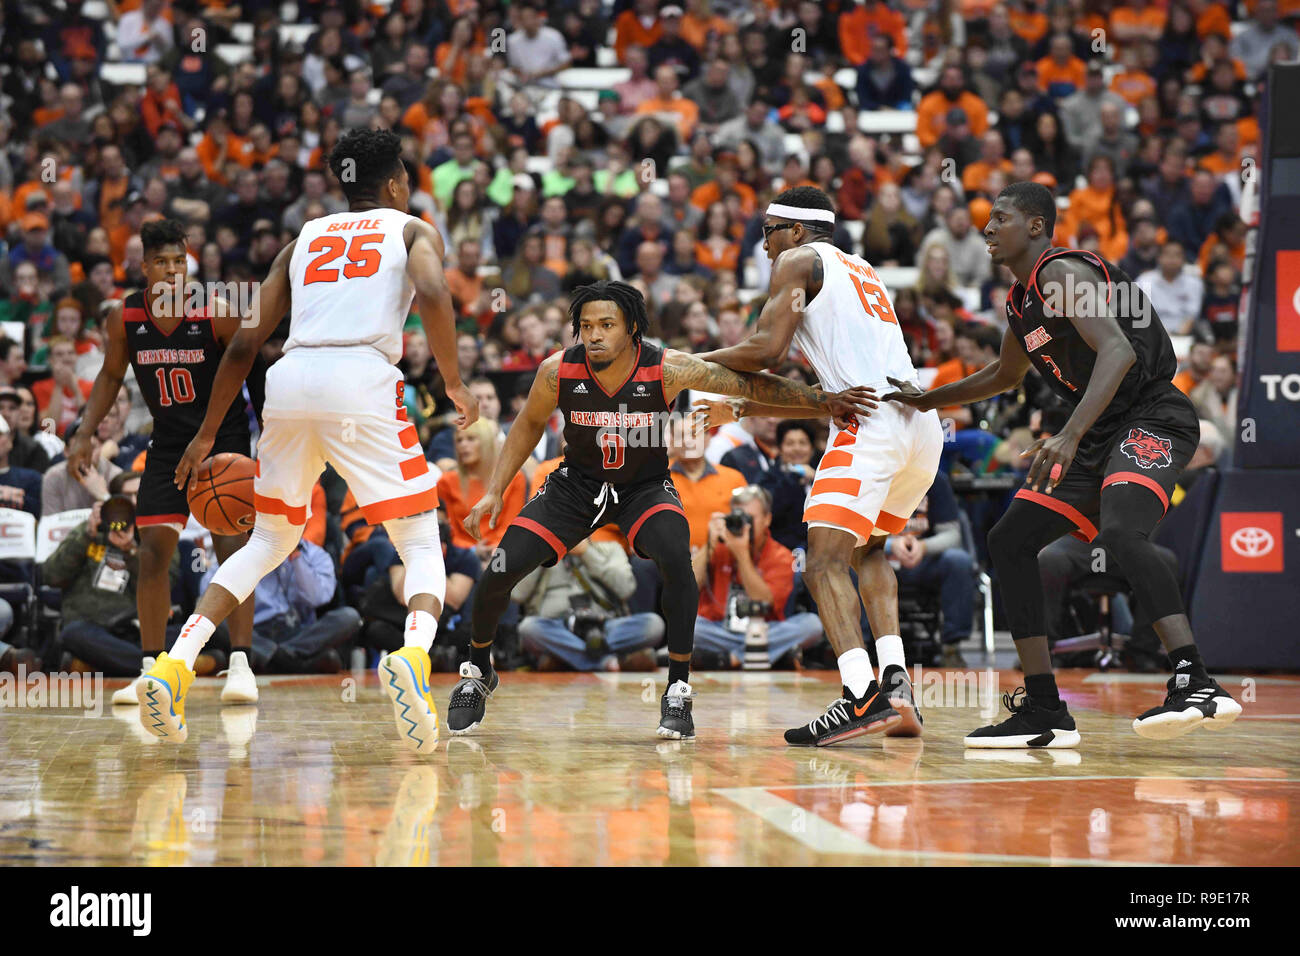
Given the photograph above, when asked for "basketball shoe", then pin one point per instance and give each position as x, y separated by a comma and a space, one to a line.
1186, 708
1030, 725
847, 717
675, 719
241, 684
129, 695
898, 691
405, 675
469, 698
163, 691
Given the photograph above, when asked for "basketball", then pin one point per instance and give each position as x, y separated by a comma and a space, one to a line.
221, 498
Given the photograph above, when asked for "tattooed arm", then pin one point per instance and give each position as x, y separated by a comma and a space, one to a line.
522, 438
796, 277
765, 394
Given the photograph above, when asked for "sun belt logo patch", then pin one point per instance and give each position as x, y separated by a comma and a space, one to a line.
1148, 450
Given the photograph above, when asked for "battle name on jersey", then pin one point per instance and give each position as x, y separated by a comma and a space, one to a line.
357, 224
171, 356
615, 419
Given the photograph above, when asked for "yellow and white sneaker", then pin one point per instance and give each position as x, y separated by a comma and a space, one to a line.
163, 691
405, 675
128, 695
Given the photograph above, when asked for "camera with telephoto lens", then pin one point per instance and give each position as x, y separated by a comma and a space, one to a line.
747, 607
588, 623
737, 521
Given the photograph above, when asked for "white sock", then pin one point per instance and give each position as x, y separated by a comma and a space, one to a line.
889, 652
194, 635
421, 628
855, 671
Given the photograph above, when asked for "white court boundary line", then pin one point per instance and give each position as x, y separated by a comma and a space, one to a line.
823, 836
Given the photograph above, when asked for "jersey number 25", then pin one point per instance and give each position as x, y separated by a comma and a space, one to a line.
362, 262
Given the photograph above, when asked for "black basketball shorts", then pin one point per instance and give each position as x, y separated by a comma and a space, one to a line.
1150, 449
160, 501
567, 508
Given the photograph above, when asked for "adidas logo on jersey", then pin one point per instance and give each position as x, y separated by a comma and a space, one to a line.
1184, 663
580, 389
140, 329
195, 330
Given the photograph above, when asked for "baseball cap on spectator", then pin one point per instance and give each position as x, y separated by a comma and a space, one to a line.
672, 10
524, 181
262, 226
117, 513
36, 198
35, 220
131, 198
10, 394
1096, 66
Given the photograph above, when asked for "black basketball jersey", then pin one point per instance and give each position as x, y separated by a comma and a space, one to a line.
615, 436
1065, 360
175, 372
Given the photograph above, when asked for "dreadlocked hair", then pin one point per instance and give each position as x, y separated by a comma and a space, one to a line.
627, 297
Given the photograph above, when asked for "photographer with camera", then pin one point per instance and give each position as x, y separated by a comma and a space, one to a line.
746, 576
97, 566
576, 616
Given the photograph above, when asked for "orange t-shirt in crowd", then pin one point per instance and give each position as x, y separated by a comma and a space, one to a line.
1029, 25
43, 392
953, 370
775, 565
1050, 72
932, 115
1150, 22
1214, 19
688, 114
701, 498
706, 194
314, 529
1133, 86
975, 178
696, 30
859, 25
630, 31
607, 532
1185, 381
726, 262
458, 500
1094, 207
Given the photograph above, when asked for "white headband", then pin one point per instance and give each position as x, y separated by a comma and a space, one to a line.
794, 212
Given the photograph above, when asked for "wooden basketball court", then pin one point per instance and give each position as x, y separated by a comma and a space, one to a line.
567, 771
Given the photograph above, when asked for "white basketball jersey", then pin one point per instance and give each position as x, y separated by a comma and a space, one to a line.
849, 333
349, 285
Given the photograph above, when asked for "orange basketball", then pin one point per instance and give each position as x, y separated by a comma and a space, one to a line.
222, 497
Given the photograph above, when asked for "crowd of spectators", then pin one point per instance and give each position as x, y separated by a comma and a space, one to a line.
1143, 117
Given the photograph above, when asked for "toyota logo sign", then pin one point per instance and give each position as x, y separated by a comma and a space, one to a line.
1251, 542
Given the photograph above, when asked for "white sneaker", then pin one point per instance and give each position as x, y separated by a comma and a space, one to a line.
126, 696
241, 685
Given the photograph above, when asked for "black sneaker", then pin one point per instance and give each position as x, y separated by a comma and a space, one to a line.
469, 698
1186, 708
847, 718
898, 690
1030, 725
675, 720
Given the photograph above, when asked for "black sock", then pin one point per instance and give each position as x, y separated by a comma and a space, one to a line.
1042, 690
678, 671
1187, 660
481, 657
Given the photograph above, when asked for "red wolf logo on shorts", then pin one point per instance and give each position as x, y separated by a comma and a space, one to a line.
1148, 450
